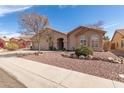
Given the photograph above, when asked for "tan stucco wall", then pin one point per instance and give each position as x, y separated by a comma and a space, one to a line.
44, 40
74, 39
71, 41
117, 39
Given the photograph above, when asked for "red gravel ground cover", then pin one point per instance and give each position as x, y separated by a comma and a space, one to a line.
98, 68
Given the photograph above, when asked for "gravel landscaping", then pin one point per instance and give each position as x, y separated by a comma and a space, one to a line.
7, 81
94, 67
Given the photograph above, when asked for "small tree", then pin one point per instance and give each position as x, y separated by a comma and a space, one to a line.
106, 38
33, 24
107, 43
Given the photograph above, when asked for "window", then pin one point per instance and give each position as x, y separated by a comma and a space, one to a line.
122, 43
117, 44
95, 41
83, 40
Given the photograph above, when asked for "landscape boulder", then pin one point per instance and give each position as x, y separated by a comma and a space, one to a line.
82, 57
65, 55
116, 60
121, 59
89, 57
74, 56
110, 59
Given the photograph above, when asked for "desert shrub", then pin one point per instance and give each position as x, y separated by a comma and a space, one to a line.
83, 50
11, 46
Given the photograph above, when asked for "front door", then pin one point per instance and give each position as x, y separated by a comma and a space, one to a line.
60, 44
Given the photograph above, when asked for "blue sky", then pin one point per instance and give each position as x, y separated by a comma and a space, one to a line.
63, 18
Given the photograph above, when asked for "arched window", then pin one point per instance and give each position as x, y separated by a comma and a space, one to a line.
95, 41
83, 40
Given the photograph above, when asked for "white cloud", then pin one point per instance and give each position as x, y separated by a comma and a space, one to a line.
111, 25
8, 33
12, 8
65, 6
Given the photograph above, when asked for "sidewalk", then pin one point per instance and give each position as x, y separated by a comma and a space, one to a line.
34, 74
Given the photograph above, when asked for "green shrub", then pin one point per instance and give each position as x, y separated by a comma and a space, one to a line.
83, 50
12, 46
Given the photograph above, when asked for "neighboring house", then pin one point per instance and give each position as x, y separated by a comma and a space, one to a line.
117, 41
70, 41
14, 40
24, 41
3, 41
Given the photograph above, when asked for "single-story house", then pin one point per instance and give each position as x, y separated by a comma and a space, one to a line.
70, 41
117, 41
22, 41
26, 39
3, 41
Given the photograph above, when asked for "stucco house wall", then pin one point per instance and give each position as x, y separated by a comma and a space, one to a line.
117, 40
71, 40
44, 41
74, 38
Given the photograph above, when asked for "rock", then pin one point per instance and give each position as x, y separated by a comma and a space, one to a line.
71, 55
65, 55
75, 56
121, 75
81, 57
121, 60
110, 59
116, 61
96, 58
89, 57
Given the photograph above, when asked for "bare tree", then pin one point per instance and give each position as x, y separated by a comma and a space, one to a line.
33, 24
97, 25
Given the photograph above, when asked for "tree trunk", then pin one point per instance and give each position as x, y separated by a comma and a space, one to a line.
39, 47
39, 44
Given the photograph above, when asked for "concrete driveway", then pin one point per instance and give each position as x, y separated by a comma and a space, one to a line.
38, 75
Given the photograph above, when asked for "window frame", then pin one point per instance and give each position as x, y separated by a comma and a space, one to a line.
122, 43
83, 40
95, 41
